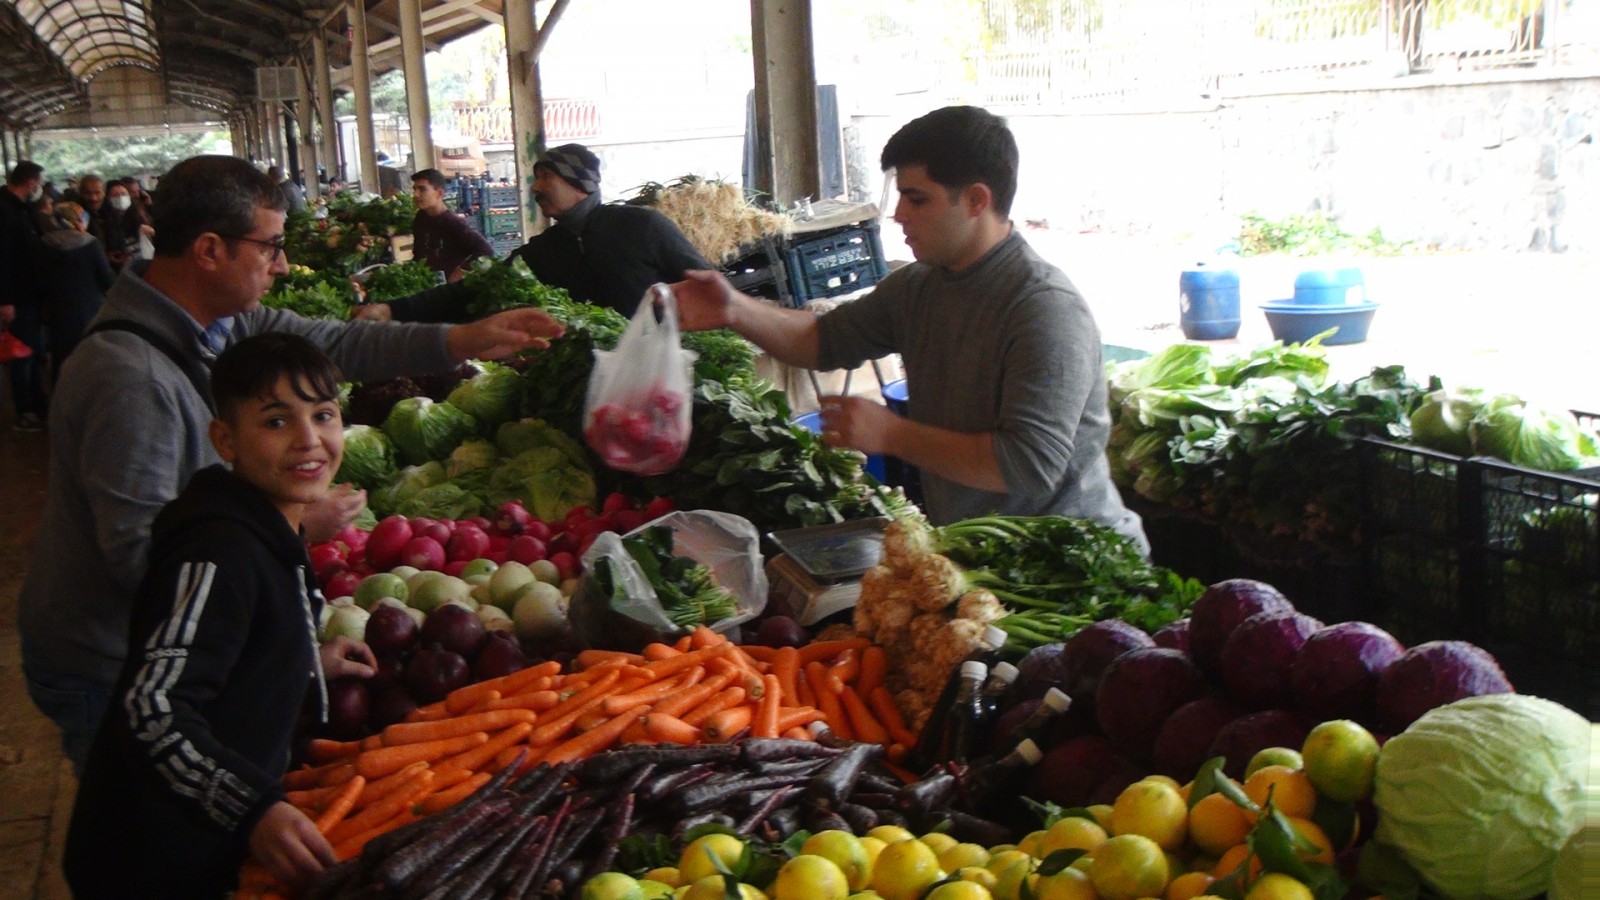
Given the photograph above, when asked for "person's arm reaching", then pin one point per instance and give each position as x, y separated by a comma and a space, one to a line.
706, 300
860, 424
503, 334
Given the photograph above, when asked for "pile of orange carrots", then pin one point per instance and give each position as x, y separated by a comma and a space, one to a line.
701, 689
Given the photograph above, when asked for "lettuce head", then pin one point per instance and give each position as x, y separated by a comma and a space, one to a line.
423, 430
492, 396
385, 501
515, 438
546, 482
369, 458
1523, 434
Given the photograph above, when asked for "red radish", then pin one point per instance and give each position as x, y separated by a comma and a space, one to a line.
512, 518
342, 584
499, 542
578, 514
498, 557
330, 570
387, 542
483, 523
629, 519
539, 530
453, 567
527, 549
616, 501
566, 564
587, 542
657, 508
326, 552
423, 553
563, 542
647, 434
353, 537
439, 531
468, 543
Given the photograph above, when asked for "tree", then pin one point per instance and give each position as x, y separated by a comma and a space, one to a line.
114, 157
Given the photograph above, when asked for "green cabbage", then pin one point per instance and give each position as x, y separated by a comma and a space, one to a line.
546, 482
514, 438
1526, 435
492, 396
368, 458
1180, 365
1443, 421
442, 501
472, 456
422, 429
385, 501
1479, 796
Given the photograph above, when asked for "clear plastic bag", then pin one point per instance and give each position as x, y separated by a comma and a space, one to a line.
636, 413
727, 544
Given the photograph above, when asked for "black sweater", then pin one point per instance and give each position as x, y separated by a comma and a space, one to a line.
195, 743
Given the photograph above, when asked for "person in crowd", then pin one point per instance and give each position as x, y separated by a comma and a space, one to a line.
1002, 356
19, 247
44, 212
74, 275
293, 196
443, 238
608, 255
132, 410
118, 233
185, 774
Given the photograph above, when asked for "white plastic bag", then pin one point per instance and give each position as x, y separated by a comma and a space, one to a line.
636, 413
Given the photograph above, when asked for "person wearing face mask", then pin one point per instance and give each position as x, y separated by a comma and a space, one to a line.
19, 247
109, 223
74, 275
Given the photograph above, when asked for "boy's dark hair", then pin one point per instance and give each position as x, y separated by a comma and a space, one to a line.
217, 194
431, 176
251, 368
960, 146
23, 172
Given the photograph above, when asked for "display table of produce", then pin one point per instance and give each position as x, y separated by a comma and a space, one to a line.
588, 687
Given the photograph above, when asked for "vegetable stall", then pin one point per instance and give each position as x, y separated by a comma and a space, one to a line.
597, 684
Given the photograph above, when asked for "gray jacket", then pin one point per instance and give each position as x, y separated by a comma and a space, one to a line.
127, 430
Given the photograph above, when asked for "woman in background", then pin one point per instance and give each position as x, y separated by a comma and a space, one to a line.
73, 277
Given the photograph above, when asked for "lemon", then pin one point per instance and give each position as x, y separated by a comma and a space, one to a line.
1291, 790
890, 834
904, 870
1008, 883
612, 886
695, 864
1072, 833
810, 877
1067, 884
865, 895
1033, 844
872, 847
1164, 779
1127, 867
1341, 758
667, 875
959, 890
999, 847
938, 841
714, 887
1154, 810
977, 875
1274, 756
844, 850
654, 890
1003, 859
1277, 886
1102, 814
960, 856
1189, 886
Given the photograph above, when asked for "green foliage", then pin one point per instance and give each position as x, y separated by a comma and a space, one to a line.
399, 280
1310, 235
326, 294
113, 157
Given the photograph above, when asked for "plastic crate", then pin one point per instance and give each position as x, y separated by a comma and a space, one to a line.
1416, 590
504, 244
835, 262
502, 221
1414, 490
501, 195
760, 271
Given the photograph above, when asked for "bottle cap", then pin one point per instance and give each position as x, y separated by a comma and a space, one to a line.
1057, 700
818, 728
1004, 671
1029, 751
973, 668
993, 636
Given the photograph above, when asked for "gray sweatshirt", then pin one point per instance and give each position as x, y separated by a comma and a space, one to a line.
127, 430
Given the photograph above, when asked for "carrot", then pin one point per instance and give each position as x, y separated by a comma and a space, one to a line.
650, 693
866, 727
678, 704
682, 644
371, 742
450, 796
796, 717
716, 703
896, 752
702, 636
378, 763
827, 689
594, 718
797, 734
874, 666
759, 653
475, 758
785, 663
351, 846
307, 778
846, 667
341, 805
415, 732
432, 712
558, 721
322, 750
464, 698
822, 651
536, 701
339, 774
313, 799
803, 689
588, 659
635, 734
670, 729
882, 703
766, 720
748, 662
664, 667
652, 652
415, 787
594, 740
378, 788
724, 724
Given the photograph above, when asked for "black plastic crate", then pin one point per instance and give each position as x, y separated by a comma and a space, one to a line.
503, 244
1413, 490
835, 262
759, 271
1416, 590
1542, 518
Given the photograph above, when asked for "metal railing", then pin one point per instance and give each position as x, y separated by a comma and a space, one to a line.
564, 120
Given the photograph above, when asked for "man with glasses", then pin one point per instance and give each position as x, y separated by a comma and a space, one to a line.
132, 410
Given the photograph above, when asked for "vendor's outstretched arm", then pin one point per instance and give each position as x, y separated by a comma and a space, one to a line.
707, 300
964, 458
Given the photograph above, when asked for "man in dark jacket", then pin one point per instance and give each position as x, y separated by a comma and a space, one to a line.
19, 247
443, 239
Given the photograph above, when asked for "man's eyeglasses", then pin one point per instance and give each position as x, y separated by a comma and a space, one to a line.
276, 243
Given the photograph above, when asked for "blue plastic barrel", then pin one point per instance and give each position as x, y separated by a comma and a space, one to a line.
875, 466
1208, 303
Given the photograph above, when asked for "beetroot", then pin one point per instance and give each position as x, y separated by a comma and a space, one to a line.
1220, 610
1080, 771
1039, 671
781, 631
499, 655
1175, 636
1248, 735
1336, 674
1089, 652
390, 704
1139, 690
390, 630
455, 628
433, 674
1259, 655
1185, 739
1431, 675
348, 703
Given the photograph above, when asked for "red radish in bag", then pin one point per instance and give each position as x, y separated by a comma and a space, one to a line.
636, 415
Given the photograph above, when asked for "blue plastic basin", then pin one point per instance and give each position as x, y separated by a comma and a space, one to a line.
1294, 323
1330, 287
897, 396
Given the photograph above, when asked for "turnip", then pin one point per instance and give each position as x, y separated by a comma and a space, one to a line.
417, 616
383, 584
482, 566
540, 611
507, 581
430, 594
345, 621
544, 570
526, 549
468, 543
388, 541
423, 552
489, 615
387, 601
404, 572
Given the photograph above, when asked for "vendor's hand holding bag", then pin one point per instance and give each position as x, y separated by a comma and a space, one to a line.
636, 414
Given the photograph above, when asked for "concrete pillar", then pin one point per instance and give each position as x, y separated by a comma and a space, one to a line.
235, 135
5, 150
527, 107
788, 154
330, 131
304, 117
250, 114
361, 83
412, 50
272, 113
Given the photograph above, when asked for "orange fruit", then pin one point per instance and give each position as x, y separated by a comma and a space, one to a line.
1313, 833
1217, 823
1233, 859
1292, 793
1189, 886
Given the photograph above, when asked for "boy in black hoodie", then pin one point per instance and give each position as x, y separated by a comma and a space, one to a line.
185, 775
